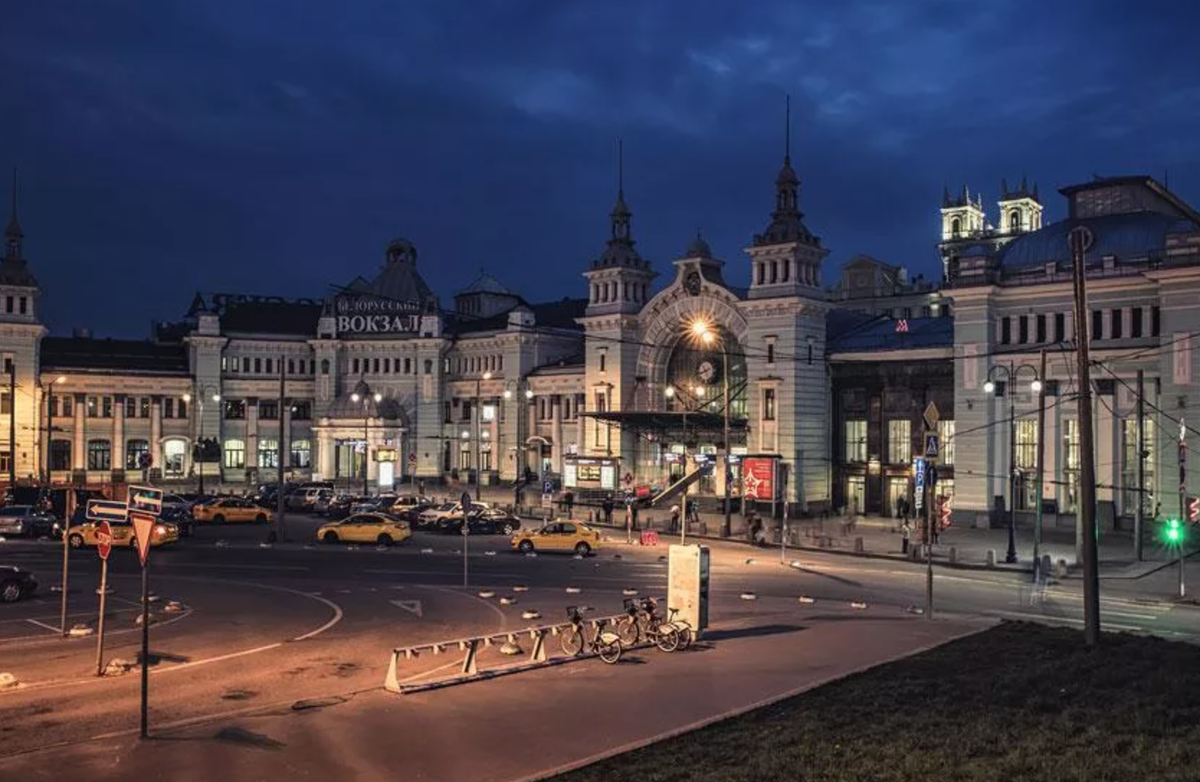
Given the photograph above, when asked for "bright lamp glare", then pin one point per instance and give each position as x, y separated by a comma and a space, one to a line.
699, 328
989, 386
379, 397
354, 397
1036, 386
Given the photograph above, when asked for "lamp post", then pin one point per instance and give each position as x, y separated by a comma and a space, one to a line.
707, 336
201, 392
1012, 373
363, 393
479, 431
512, 388
44, 458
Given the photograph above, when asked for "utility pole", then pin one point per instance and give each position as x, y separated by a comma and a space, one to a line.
727, 528
1139, 515
1041, 456
1080, 239
1182, 498
12, 426
277, 533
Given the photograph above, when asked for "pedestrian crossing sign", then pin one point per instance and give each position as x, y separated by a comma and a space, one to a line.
931, 445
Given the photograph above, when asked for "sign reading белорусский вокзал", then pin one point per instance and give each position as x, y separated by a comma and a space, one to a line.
370, 315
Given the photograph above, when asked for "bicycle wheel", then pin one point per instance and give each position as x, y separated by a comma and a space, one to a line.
629, 631
667, 638
686, 636
572, 641
609, 649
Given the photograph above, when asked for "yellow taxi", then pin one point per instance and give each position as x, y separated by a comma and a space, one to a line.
232, 509
80, 535
379, 528
558, 536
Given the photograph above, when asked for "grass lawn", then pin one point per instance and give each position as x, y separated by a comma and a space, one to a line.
1021, 702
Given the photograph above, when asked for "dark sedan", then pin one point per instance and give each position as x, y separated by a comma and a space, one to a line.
492, 521
15, 584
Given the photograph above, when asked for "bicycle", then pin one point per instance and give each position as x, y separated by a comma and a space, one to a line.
630, 628
683, 627
603, 643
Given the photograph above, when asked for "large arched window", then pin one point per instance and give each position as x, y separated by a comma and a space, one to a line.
695, 372
99, 455
1014, 221
134, 451
955, 226
235, 454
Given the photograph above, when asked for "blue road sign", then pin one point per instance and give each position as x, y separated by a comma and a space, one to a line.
106, 510
146, 499
919, 464
547, 487
931, 445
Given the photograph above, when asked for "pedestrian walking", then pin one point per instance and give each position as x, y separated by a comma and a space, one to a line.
674, 518
607, 505
569, 502
905, 535
628, 522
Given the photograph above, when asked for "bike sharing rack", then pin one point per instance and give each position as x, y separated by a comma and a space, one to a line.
471, 646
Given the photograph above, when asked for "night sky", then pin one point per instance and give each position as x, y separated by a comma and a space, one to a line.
275, 146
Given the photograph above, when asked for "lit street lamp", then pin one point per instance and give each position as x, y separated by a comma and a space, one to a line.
1012, 373
702, 331
478, 436
362, 393
198, 451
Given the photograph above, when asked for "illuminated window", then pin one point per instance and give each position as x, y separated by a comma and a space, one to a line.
856, 441
235, 454
899, 441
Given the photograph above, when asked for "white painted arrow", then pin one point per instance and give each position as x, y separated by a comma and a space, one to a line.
411, 606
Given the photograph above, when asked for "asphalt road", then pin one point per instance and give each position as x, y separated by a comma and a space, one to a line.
295, 624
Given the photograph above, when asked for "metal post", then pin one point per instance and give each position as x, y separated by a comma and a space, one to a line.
66, 556
1139, 514
727, 529
100, 622
478, 414
1041, 456
1080, 239
145, 727
366, 440
200, 437
12, 425
1182, 500
928, 490
277, 533
1010, 556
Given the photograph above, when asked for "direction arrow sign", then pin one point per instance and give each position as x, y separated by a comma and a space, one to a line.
143, 529
104, 539
411, 606
145, 498
932, 416
106, 510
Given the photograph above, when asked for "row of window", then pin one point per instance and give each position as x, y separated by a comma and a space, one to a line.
771, 272
22, 301
267, 366
268, 409
899, 441
99, 454
1036, 329
63, 406
471, 364
603, 292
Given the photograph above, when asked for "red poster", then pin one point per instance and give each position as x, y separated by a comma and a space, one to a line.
758, 477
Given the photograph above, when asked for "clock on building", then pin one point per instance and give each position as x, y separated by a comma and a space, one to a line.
707, 371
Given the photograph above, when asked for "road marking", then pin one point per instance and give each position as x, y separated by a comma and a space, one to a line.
51, 628
1070, 619
411, 606
233, 566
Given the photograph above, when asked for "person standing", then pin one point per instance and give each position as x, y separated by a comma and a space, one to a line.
905, 536
607, 505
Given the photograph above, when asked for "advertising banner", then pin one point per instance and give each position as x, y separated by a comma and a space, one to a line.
758, 477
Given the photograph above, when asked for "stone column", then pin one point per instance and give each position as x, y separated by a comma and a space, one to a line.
79, 435
118, 433
494, 438
325, 454
285, 439
556, 433
580, 432
156, 450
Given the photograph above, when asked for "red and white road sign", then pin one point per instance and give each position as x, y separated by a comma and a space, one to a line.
104, 539
143, 528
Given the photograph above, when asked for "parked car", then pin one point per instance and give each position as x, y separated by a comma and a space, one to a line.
180, 516
321, 504
15, 584
558, 536
80, 535
433, 517
232, 509
492, 521
25, 521
380, 528
408, 502
303, 499
381, 502
176, 501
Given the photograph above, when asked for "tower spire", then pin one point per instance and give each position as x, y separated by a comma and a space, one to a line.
13, 234
620, 212
787, 129
620, 168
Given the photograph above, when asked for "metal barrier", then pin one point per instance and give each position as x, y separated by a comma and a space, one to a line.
472, 645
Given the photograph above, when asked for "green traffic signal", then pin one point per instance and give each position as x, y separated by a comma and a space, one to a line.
1174, 531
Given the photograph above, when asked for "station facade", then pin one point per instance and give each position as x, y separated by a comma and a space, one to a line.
641, 382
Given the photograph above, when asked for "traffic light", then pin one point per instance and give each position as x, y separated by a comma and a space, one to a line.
1193, 509
1173, 532
944, 512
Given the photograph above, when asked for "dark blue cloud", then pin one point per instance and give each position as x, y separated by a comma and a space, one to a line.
275, 147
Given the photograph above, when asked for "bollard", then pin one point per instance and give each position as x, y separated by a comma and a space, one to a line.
991, 557
953, 555
1046, 566
858, 546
